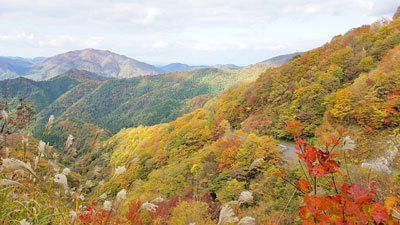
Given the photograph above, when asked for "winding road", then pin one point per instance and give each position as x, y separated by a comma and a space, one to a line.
288, 149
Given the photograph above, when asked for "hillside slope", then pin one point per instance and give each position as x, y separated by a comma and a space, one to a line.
147, 100
306, 87
214, 154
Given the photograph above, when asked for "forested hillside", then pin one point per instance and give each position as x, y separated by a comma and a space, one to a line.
322, 84
151, 100
78, 97
213, 156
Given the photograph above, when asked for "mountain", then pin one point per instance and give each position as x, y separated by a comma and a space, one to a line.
41, 94
78, 98
280, 60
148, 100
226, 66
104, 63
35, 59
12, 67
112, 104
44, 93
81, 76
176, 67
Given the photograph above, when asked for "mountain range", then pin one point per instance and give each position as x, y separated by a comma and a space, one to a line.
78, 97
175, 67
104, 63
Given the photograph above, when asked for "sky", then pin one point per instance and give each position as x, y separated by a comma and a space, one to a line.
195, 32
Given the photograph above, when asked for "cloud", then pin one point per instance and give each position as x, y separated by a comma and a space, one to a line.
202, 47
65, 41
159, 44
269, 46
17, 36
183, 14
242, 31
243, 46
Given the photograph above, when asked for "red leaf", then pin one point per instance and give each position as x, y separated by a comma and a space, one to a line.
372, 184
379, 215
334, 139
334, 154
318, 171
341, 132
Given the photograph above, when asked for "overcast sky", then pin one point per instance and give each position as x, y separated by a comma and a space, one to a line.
189, 31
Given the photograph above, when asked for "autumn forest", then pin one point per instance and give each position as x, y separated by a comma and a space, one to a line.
305, 138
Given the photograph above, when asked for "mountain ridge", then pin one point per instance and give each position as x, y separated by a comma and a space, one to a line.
102, 62
280, 59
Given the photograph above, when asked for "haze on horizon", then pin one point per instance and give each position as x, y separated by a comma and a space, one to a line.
194, 32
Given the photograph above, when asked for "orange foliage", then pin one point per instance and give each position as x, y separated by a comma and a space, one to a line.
350, 204
230, 146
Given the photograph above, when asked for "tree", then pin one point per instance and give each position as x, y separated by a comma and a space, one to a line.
342, 107
191, 213
349, 203
367, 63
231, 190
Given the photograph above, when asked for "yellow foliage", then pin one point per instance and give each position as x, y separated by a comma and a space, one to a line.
191, 212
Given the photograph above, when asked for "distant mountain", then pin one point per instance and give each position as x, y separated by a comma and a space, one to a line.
280, 60
176, 67
12, 67
225, 66
104, 63
35, 59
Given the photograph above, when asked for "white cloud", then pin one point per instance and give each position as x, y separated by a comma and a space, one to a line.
270, 46
202, 47
159, 44
183, 14
243, 46
17, 36
238, 31
65, 41
151, 15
